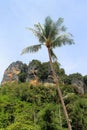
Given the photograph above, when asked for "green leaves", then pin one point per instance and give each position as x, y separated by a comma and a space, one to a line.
59, 22
54, 58
48, 26
30, 49
62, 39
38, 32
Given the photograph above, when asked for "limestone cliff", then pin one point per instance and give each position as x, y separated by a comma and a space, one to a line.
11, 73
18, 71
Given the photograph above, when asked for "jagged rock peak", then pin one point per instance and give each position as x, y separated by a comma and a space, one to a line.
11, 73
18, 71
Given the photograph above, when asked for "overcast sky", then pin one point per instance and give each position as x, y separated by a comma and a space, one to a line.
16, 15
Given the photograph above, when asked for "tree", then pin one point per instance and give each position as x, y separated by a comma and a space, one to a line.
85, 83
23, 74
52, 34
34, 66
44, 71
73, 77
85, 79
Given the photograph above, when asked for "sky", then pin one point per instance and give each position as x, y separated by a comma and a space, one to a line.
16, 15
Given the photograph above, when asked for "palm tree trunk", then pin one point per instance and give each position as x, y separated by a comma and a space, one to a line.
59, 92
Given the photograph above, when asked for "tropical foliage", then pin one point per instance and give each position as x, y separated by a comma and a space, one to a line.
26, 107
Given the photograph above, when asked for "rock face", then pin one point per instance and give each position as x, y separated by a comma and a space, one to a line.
18, 71
11, 73
79, 85
27, 72
33, 68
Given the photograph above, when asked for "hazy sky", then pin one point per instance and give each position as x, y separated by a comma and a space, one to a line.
16, 15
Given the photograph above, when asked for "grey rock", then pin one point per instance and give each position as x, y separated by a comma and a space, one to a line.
79, 85
11, 73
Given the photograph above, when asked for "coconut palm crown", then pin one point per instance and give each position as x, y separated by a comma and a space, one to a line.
51, 34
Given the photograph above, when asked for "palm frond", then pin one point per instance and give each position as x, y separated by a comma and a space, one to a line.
59, 26
59, 22
52, 29
41, 30
31, 49
63, 28
38, 34
62, 39
66, 39
54, 57
37, 27
48, 26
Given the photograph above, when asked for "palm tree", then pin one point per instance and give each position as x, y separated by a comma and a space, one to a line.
52, 34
